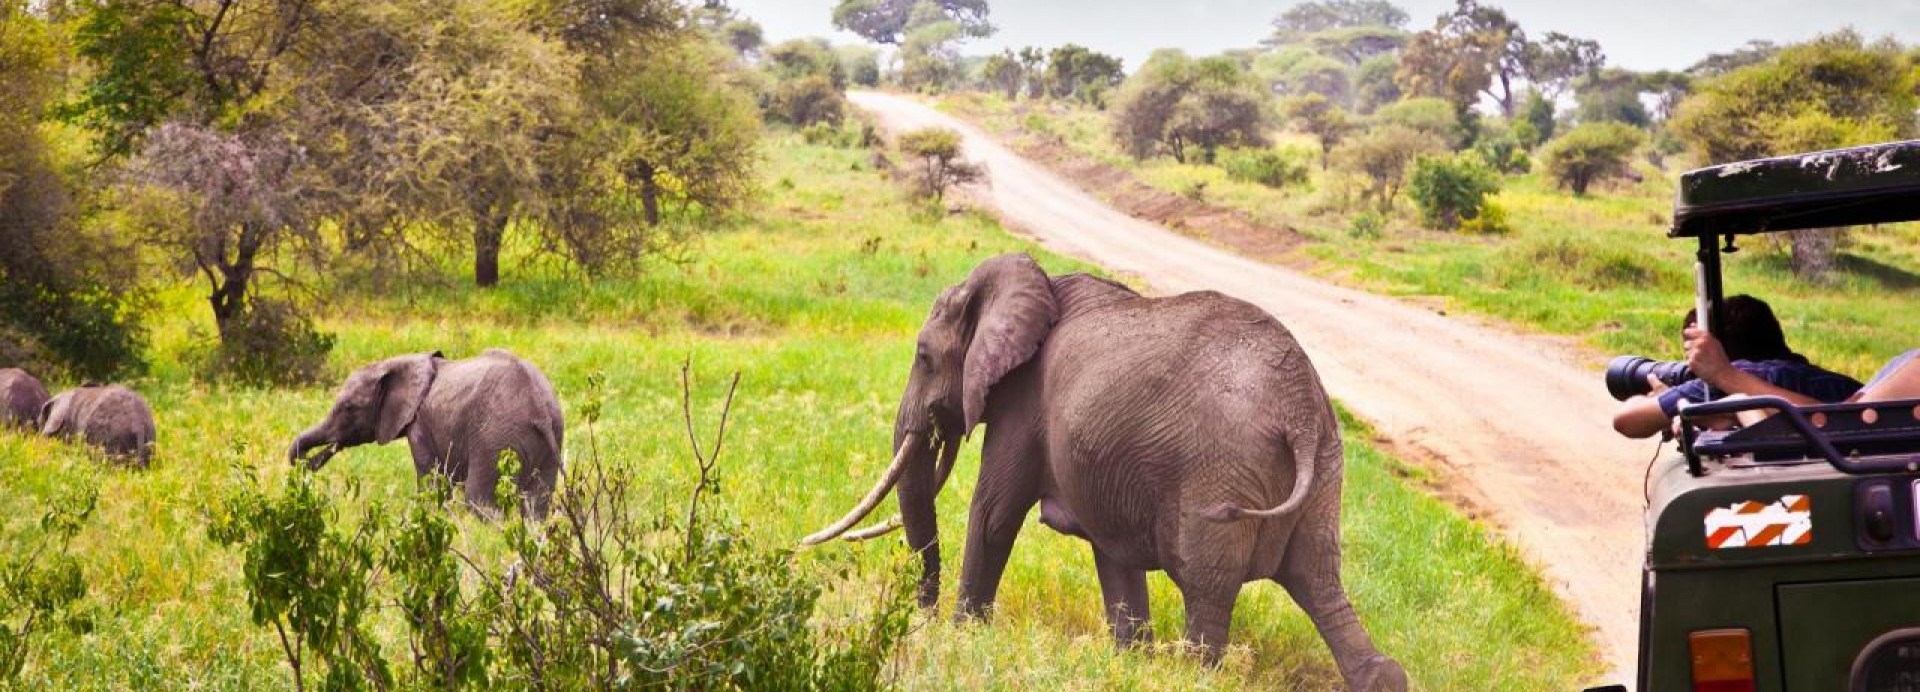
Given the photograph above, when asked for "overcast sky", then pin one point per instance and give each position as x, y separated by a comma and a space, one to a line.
1637, 34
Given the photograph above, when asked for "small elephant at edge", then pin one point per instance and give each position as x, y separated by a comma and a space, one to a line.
457, 416
110, 417
1188, 434
21, 396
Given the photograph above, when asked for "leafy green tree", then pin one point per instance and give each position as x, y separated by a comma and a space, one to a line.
1315, 115
1004, 73
66, 286
1755, 51
1537, 116
1082, 74
1381, 155
890, 21
1373, 84
1471, 50
861, 63
1836, 90
1554, 62
1450, 189
929, 50
809, 82
1318, 16
799, 58
1432, 116
936, 152
1611, 95
1590, 152
1184, 106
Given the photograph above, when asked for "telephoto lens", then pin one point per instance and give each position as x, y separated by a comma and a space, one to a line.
1627, 375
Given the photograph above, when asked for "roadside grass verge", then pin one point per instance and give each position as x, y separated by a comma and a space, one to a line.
815, 296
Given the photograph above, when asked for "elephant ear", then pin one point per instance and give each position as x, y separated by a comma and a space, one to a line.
1012, 308
45, 421
402, 387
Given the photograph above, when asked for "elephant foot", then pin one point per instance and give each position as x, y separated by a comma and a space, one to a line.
1379, 674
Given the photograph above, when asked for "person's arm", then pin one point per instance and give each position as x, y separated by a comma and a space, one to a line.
1640, 416
1708, 361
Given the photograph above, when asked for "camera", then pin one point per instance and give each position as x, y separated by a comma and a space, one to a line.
1627, 375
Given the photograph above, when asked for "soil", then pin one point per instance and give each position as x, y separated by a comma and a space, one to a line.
1515, 426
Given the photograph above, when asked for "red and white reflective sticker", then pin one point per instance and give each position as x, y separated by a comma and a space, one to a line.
1786, 521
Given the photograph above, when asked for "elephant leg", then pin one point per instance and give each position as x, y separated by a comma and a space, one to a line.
1209, 596
1125, 593
1311, 574
992, 526
482, 475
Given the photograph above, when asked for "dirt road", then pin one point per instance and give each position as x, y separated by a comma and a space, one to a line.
1519, 421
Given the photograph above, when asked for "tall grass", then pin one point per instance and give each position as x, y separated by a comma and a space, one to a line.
819, 316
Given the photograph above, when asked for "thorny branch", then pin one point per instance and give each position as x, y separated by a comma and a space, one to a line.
708, 460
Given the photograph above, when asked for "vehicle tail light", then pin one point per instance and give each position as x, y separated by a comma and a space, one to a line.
1722, 660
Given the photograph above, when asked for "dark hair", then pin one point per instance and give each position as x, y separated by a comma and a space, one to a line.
1749, 331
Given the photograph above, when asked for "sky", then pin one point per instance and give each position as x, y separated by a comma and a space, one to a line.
1636, 34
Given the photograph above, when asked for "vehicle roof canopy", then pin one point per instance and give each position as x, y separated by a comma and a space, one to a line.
1841, 187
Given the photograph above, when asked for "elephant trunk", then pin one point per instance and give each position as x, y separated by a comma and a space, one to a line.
916, 491
307, 442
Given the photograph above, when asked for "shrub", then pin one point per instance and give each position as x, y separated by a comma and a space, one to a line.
1382, 155
1366, 224
1588, 153
1504, 153
938, 166
596, 597
807, 100
1492, 220
1450, 189
90, 332
270, 344
1432, 116
1269, 167
831, 135
40, 584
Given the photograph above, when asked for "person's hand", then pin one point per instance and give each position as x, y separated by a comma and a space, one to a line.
1705, 357
1655, 386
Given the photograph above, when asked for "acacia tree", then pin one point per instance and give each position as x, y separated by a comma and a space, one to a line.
889, 21
1470, 50
1182, 106
1315, 115
201, 76
1004, 73
1836, 90
1588, 153
1552, 63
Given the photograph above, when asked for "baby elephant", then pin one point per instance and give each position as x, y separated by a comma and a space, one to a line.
110, 417
21, 396
458, 417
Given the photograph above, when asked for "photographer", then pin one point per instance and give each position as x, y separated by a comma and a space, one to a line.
1753, 360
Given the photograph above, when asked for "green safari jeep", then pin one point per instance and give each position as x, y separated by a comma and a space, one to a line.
1785, 555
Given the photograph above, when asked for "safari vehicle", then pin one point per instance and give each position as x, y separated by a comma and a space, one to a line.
1786, 555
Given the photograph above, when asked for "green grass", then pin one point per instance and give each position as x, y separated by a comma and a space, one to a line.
819, 319
1599, 269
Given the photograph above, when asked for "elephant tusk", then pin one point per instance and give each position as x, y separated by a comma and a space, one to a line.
875, 531
873, 497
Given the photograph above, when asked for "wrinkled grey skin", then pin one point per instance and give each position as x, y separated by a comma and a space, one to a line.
21, 396
1187, 434
457, 416
110, 417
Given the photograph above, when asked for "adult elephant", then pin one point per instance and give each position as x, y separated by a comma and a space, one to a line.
1188, 434
458, 417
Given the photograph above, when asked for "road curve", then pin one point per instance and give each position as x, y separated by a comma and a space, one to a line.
1519, 420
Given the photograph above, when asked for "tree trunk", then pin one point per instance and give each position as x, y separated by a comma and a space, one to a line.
649, 191
1813, 252
229, 296
487, 236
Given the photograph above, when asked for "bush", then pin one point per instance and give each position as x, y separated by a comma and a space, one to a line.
831, 135
1431, 116
271, 344
1588, 153
90, 333
1492, 220
937, 163
807, 100
1269, 167
1450, 189
1366, 224
1504, 153
596, 597
1382, 155
41, 585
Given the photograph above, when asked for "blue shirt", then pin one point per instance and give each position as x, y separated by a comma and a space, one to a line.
1792, 375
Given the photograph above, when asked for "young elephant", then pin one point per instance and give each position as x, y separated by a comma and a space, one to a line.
21, 396
458, 417
110, 417
1187, 434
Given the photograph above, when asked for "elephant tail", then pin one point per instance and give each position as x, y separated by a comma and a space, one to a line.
1306, 460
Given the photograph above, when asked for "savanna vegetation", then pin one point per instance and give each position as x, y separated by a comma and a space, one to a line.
230, 204
1509, 171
